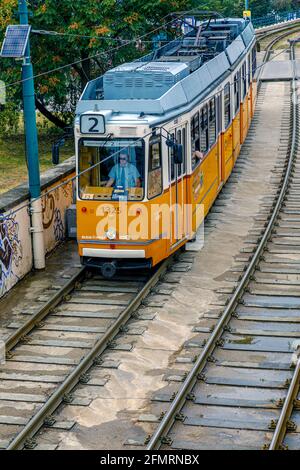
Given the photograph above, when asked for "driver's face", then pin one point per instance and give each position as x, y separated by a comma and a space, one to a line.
123, 160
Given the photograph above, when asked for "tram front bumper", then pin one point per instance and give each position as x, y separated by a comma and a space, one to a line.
113, 254
111, 264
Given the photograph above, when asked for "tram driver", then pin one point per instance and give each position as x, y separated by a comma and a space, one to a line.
124, 174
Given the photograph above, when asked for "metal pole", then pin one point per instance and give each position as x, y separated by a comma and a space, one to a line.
246, 5
32, 151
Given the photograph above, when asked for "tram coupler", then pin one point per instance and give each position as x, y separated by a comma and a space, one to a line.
108, 270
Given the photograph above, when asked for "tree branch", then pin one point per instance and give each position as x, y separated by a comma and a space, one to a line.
79, 71
51, 117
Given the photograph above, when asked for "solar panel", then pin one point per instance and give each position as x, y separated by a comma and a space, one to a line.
15, 41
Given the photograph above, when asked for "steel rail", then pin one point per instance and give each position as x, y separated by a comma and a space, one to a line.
172, 414
271, 45
287, 409
264, 34
37, 317
37, 421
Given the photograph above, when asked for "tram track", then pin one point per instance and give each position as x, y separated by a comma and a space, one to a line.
178, 416
291, 402
239, 380
277, 29
74, 327
262, 36
20, 333
272, 43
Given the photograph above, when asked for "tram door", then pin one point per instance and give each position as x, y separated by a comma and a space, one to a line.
178, 189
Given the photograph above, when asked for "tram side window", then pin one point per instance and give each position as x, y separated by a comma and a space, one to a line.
227, 105
219, 113
244, 80
172, 160
154, 167
179, 141
195, 138
237, 88
249, 69
184, 149
204, 139
253, 62
212, 122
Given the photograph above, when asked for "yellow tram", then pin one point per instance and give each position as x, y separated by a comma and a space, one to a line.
156, 139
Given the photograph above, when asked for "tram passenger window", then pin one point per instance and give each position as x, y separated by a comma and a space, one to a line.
195, 139
244, 80
227, 105
154, 167
179, 141
249, 70
184, 150
204, 139
253, 62
212, 122
117, 171
219, 113
172, 160
237, 92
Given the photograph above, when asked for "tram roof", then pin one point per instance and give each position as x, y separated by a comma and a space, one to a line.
173, 76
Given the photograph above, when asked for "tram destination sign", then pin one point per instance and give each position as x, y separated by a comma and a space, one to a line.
92, 124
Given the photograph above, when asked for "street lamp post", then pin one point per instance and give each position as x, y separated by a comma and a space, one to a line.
38, 245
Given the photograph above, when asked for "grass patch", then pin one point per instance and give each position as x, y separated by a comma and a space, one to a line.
13, 167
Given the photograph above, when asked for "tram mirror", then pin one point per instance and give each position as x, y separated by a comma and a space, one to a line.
56, 151
55, 154
178, 154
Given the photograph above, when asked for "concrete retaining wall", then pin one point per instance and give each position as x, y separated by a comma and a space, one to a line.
15, 238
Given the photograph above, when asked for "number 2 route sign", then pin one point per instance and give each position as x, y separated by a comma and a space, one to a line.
92, 124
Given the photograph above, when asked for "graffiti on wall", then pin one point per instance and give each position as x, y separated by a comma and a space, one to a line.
15, 236
54, 205
58, 226
48, 205
11, 252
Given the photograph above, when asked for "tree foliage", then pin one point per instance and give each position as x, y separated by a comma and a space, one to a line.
90, 36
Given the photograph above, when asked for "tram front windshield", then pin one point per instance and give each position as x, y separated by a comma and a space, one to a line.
117, 169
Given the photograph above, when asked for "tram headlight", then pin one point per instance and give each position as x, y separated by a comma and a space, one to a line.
111, 234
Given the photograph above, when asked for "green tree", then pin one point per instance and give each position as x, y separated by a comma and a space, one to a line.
282, 5
9, 114
260, 7
88, 28
91, 34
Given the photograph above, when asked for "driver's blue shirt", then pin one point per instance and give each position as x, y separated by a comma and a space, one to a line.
126, 179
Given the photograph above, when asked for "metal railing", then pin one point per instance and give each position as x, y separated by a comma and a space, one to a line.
275, 18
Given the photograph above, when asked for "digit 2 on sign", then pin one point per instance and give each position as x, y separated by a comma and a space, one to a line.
92, 124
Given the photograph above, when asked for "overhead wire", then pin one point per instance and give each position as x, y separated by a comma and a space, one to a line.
99, 54
83, 36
